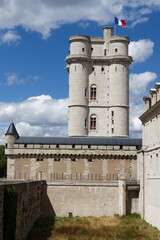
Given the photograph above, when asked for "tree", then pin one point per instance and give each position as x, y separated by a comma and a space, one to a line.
3, 162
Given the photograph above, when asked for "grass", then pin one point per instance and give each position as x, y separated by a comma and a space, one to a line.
130, 227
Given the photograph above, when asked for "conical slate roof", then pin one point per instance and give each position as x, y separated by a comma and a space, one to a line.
12, 130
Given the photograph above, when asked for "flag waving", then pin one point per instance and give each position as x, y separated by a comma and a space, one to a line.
120, 22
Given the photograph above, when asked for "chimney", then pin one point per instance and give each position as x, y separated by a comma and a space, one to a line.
153, 93
157, 86
147, 102
107, 33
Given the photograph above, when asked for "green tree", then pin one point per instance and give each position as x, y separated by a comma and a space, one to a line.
3, 162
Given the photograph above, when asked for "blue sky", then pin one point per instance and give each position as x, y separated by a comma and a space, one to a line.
33, 46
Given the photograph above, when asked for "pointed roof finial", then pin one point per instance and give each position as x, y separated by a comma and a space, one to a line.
12, 130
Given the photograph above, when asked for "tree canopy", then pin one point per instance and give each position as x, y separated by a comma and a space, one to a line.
3, 162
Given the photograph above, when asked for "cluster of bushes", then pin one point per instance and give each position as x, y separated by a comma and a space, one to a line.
3, 163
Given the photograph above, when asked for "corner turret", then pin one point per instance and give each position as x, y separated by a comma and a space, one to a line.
11, 135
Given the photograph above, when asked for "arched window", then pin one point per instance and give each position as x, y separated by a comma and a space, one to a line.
93, 92
93, 122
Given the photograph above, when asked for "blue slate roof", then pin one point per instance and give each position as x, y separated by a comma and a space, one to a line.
80, 141
12, 130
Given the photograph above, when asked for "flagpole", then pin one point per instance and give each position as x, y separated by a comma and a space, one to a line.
115, 29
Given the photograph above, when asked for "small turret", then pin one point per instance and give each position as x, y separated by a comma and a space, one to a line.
11, 135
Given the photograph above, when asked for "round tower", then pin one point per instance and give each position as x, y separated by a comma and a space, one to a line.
119, 86
78, 85
11, 136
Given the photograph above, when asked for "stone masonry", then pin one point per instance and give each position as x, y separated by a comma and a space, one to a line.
99, 85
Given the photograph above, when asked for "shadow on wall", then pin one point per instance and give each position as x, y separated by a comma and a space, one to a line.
46, 206
42, 229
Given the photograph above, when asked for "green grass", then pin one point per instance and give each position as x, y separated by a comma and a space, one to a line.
130, 227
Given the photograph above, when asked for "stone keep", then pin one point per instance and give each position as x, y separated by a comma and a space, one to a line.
99, 85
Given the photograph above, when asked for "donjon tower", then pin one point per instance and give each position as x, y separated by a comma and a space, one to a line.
99, 85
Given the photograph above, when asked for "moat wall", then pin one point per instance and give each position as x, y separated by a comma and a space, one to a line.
68, 198
28, 206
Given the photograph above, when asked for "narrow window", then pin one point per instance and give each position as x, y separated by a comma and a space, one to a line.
6, 145
89, 146
40, 159
93, 123
57, 159
112, 113
85, 92
116, 50
92, 69
105, 52
82, 49
85, 123
92, 49
112, 121
93, 93
112, 130
121, 147
90, 160
57, 145
25, 145
73, 146
115, 69
102, 69
74, 160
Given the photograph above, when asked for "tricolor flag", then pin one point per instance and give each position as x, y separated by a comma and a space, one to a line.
120, 22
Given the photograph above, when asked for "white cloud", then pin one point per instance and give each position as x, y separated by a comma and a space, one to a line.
135, 125
14, 79
141, 50
10, 37
37, 116
43, 16
139, 82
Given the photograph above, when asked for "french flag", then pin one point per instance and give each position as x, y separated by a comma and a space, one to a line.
120, 22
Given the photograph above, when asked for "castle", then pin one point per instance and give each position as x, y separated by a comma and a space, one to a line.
94, 170
99, 85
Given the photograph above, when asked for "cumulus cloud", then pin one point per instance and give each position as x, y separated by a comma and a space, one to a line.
43, 16
10, 37
141, 50
135, 125
139, 82
37, 116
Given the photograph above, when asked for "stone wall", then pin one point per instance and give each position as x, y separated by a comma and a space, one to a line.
68, 198
28, 206
83, 162
1, 212
77, 198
